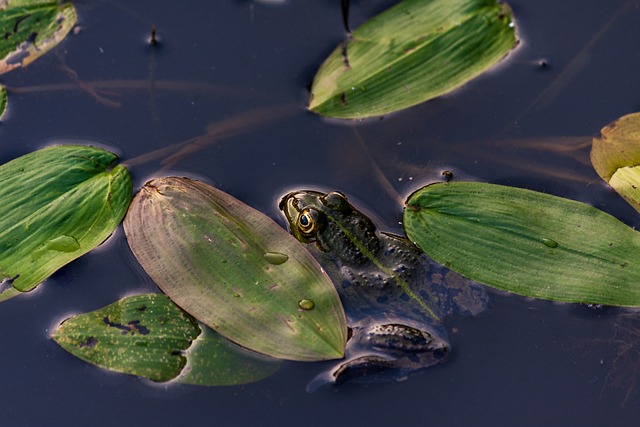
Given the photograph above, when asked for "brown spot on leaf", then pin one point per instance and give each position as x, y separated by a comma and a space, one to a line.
345, 54
287, 322
89, 342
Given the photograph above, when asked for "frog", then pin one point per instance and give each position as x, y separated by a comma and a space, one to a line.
395, 298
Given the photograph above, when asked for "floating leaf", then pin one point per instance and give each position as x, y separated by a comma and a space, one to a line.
525, 242
235, 270
31, 28
149, 336
214, 360
145, 335
616, 157
3, 100
415, 51
58, 203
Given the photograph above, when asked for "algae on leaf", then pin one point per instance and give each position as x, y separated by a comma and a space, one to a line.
415, 51
235, 270
616, 157
58, 203
525, 242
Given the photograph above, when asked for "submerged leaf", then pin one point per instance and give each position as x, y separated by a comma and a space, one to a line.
235, 270
149, 336
58, 203
415, 51
214, 360
31, 28
525, 242
616, 157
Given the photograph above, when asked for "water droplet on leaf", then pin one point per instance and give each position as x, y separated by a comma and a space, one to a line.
63, 243
550, 243
306, 304
275, 258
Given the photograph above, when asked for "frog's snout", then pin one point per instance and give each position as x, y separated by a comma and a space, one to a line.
289, 207
284, 202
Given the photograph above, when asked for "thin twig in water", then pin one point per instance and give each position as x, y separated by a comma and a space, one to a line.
380, 176
215, 133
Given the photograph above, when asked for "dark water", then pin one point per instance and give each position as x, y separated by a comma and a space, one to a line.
244, 64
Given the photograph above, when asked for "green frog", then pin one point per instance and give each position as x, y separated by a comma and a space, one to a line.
395, 298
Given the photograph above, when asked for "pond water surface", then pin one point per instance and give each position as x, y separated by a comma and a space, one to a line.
241, 68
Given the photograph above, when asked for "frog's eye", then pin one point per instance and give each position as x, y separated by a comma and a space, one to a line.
336, 201
306, 222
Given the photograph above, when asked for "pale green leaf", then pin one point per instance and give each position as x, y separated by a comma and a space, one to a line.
529, 243
415, 51
235, 270
616, 157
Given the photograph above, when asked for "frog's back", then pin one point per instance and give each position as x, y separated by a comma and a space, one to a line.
404, 283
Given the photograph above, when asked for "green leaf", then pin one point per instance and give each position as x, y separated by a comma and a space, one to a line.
3, 100
149, 336
214, 360
235, 270
145, 335
31, 28
415, 51
529, 243
58, 203
616, 157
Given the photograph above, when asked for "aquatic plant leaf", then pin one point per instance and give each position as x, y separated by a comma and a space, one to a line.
529, 243
149, 336
143, 335
31, 28
616, 157
58, 203
415, 51
214, 360
235, 270
3, 100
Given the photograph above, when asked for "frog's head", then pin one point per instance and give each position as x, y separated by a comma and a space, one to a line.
331, 222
